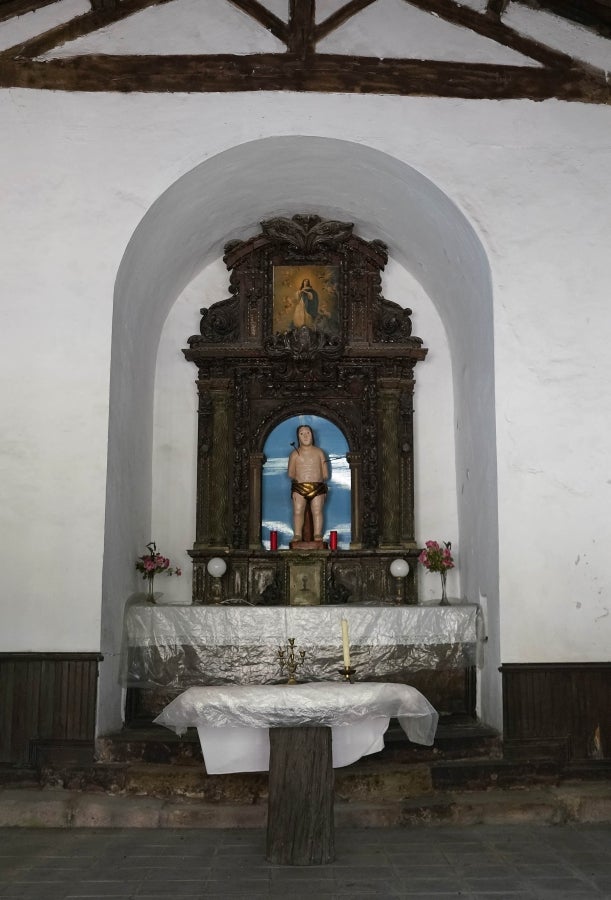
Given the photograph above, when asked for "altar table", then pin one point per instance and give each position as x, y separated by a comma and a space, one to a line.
233, 721
175, 647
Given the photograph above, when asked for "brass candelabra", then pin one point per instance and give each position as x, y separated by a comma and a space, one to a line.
290, 659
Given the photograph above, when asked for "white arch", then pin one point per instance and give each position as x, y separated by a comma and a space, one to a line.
226, 197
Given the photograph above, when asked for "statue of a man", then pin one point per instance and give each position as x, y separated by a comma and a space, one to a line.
308, 472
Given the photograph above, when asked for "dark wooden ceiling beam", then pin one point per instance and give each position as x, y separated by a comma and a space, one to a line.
14, 8
263, 16
340, 16
487, 27
324, 73
594, 14
496, 8
302, 24
102, 5
78, 27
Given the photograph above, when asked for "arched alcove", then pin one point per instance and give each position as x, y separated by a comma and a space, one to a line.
227, 196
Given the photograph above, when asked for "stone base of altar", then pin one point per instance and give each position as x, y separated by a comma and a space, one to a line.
543, 802
150, 777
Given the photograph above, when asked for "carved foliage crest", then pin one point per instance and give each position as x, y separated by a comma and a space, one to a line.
303, 343
307, 233
393, 323
221, 323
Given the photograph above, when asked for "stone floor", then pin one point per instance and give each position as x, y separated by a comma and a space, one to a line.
496, 862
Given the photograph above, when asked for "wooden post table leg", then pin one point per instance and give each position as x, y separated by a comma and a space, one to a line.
300, 827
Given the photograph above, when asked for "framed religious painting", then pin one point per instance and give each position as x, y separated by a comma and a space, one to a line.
306, 582
306, 295
265, 587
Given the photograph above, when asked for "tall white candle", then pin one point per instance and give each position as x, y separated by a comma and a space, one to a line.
345, 643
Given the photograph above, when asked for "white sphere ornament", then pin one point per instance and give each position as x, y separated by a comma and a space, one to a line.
399, 568
217, 567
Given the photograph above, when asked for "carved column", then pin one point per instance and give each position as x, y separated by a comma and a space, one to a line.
389, 462
241, 480
370, 482
219, 483
204, 451
406, 406
199, 583
255, 481
354, 461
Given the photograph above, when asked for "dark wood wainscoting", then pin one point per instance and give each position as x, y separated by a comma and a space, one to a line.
557, 709
47, 707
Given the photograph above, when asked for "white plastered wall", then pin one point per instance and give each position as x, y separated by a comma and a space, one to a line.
81, 173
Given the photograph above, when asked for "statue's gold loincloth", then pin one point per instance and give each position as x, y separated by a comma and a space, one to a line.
308, 489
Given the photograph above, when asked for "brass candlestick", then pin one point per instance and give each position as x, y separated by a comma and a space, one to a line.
290, 659
348, 673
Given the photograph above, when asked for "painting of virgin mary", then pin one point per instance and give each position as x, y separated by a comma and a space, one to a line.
306, 295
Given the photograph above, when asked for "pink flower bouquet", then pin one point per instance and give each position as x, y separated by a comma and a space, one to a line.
154, 563
437, 557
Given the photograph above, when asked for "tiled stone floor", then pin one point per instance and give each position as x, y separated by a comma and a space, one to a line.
509, 862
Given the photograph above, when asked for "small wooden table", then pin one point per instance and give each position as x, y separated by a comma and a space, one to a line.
289, 730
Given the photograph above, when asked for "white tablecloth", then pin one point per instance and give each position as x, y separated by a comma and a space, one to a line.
233, 721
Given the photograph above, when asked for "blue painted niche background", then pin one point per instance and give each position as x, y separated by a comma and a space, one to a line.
277, 510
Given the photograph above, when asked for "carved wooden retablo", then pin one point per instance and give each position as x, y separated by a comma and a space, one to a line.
347, 355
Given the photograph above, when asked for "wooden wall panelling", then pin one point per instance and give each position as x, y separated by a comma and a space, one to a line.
562, 709
47, 704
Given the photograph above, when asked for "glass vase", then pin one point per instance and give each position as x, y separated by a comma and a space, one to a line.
444, 596
150, 593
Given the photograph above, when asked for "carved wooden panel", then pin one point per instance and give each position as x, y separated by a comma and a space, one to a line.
261, 577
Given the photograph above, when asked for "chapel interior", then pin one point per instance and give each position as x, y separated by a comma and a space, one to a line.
291, 271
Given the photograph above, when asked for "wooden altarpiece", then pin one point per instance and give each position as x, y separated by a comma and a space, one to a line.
351, 362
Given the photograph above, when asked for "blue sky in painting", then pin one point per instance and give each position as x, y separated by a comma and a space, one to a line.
276, 505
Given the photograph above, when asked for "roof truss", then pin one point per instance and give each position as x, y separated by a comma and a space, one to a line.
557, 75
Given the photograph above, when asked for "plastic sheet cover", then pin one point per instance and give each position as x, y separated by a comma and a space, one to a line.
270, 706
176, 647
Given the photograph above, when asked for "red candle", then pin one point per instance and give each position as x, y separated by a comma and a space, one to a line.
333, 540
273, 540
